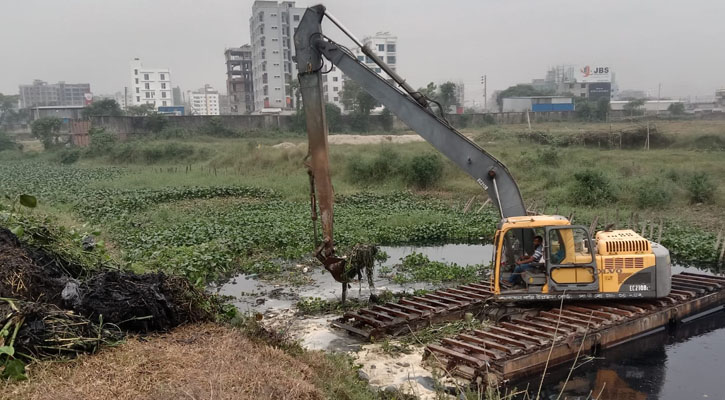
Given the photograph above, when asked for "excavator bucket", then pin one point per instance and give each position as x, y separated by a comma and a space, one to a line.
336, 267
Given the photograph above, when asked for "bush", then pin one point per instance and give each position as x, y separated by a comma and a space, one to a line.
386, 119
424, 170
701, 188
215, 127
591, 188
46, 130
371, 170
653, 193
333, 116
102, 142
6, 143
156, 122
69, 156
548, 156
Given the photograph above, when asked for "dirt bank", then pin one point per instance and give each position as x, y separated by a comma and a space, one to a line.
199, 361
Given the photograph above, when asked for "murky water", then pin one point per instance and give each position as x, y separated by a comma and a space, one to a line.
255, 295
687, 362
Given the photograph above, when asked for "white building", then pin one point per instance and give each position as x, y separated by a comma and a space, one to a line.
332, 87
204, 101
150, 85
272, 26
385, 46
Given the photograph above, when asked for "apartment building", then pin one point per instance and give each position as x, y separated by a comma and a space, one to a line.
42, 94
204, 101
272, 27
240, 85
385, 46
150, 85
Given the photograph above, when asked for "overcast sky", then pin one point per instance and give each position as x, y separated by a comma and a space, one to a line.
680, 44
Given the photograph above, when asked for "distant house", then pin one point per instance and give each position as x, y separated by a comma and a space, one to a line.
538, 104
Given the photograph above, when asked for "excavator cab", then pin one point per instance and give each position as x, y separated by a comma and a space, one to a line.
567, 265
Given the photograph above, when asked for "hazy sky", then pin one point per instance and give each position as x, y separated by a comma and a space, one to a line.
680, 44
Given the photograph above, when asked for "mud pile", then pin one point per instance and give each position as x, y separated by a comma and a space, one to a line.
46, 330
52, 299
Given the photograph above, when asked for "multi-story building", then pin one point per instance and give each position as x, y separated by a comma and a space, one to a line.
385, 47
150, 85
332, 87
272, 27
240, 86
204, 101
41, 94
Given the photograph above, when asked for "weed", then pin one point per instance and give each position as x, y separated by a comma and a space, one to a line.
68, 156
424, 170
653, 193
417, 267
591, 188
701, 188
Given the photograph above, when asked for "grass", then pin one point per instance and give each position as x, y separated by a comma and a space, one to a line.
195, 361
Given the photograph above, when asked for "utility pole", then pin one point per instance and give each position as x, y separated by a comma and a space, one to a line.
485, 100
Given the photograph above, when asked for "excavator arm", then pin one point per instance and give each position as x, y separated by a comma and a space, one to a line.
410, 107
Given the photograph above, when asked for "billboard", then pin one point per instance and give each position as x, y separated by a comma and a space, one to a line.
591, 73
600, 90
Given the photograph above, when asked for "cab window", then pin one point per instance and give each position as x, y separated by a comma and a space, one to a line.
569, 246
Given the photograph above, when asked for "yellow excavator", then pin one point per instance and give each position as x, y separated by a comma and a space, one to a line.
613, 264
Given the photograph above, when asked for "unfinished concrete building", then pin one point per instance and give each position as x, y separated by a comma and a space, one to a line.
240, 87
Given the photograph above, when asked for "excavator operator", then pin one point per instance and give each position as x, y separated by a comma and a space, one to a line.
526, 263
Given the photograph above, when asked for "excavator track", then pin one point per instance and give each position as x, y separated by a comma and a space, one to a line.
412, 313
524, 345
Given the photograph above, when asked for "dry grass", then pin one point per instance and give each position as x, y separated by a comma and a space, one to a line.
203, 361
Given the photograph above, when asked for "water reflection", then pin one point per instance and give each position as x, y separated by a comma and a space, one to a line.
685, 363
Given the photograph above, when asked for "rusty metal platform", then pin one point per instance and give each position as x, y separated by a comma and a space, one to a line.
411, 313
522, 346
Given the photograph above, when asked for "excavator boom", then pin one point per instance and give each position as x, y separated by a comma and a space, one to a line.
311, 45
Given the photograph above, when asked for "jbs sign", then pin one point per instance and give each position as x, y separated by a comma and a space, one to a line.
590, 73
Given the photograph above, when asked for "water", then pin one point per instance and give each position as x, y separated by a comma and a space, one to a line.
251, 294
686, 363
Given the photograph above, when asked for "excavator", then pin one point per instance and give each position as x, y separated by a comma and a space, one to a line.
611, 264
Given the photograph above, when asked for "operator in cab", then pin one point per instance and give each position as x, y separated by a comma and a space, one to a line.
526, 263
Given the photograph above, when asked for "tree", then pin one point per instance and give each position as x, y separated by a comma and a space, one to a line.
46, 130
105, 107
356, 98
334, 117
676, 109
142, 110
386, 119
294, 87
633, 106
8, 110
446, 95
520, 90
429, 91
601, 110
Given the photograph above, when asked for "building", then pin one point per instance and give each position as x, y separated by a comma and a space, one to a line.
150, 85
538, 104
332, 82
272, 26
649, 106
385, 46
177, 95
204, 101
720, 97
240, 85
42, 94
589, 82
